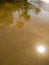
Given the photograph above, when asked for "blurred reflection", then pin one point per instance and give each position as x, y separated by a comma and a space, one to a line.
25, 10
37, 10
5, 19
20, 22
6, 10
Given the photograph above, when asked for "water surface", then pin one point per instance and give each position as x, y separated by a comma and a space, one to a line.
22, 27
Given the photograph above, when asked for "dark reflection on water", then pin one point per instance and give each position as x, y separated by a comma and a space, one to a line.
22, 27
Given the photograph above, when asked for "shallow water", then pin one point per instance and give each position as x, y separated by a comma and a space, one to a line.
22, 28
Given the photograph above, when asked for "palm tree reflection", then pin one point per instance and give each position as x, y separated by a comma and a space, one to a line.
24, 13
37, 10
22, 8
20, 23
26, 8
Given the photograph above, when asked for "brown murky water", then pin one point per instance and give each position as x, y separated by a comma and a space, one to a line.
22, 28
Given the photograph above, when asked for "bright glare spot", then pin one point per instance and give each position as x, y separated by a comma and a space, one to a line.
41, 49
47, 1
